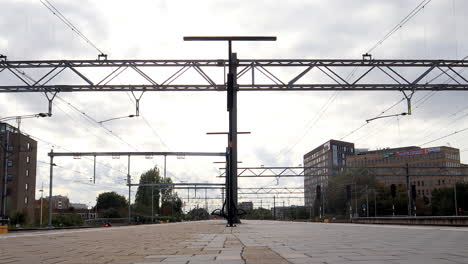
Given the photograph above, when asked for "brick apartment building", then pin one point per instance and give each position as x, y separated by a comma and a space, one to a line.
322, 162
59, 202
428, 168
18, 156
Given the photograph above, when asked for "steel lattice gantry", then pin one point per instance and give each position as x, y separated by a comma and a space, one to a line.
253, 75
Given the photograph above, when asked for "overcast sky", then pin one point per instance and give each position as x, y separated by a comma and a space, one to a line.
284, 126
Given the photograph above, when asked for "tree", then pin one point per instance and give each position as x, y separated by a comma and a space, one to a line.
171, 205
111, 200
258, 213
198, 214
335, 197
145, 194
443, 202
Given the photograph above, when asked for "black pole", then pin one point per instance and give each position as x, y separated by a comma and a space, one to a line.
232, 138
50, 187
408, 189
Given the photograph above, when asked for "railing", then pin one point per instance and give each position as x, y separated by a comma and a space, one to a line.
415, 220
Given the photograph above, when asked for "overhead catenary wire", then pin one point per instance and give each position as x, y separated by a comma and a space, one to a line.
366, 123
406, 19
399, 25
149, 125
446, 136
69, 24
94, 121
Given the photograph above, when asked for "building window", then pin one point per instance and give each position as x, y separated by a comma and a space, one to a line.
28, 146
26, 187
27, 172
28, 159
25, 200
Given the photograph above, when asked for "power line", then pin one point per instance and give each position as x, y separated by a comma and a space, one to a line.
94, 121
149, 125
451, 134
364, 124
314, 121
399, 25
62, 18
415, 11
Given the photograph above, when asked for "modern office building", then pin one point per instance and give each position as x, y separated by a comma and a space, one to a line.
18, 156
322, 162
427, 168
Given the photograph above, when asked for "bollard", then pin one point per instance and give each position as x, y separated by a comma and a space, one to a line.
3, 229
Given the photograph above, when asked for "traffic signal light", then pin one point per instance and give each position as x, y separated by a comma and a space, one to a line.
393, 190
348, 192
318, 192
413, 192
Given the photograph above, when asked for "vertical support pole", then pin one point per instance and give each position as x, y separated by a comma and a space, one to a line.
5, 172
284, 210
274, 207
152, 204
355, 201
322, 199
375, 202
232, 139
129, 181
206, 201
94, 178
42, 199
408, 189
222, 197
165, 167
455, 197
50, 186
367, 201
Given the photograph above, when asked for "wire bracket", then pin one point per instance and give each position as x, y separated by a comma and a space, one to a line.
137, 102
50, 98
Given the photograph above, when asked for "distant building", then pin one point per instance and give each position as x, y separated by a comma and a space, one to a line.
78, 206
428, 168
59, 202
247, 206
19, 153
322, 162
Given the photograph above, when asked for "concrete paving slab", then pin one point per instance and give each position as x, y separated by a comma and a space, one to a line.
251, 242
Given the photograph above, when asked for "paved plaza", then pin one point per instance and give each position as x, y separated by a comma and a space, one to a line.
250, 242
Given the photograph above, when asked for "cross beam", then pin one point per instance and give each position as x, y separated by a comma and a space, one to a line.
314, 171
126, 154
253, 75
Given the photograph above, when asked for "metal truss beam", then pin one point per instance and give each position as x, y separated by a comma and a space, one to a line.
254, 75
126, 154
278, 172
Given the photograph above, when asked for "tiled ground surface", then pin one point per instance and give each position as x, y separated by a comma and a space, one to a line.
252, 242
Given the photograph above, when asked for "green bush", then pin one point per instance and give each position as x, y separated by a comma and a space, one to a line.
67, 220
18, 218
